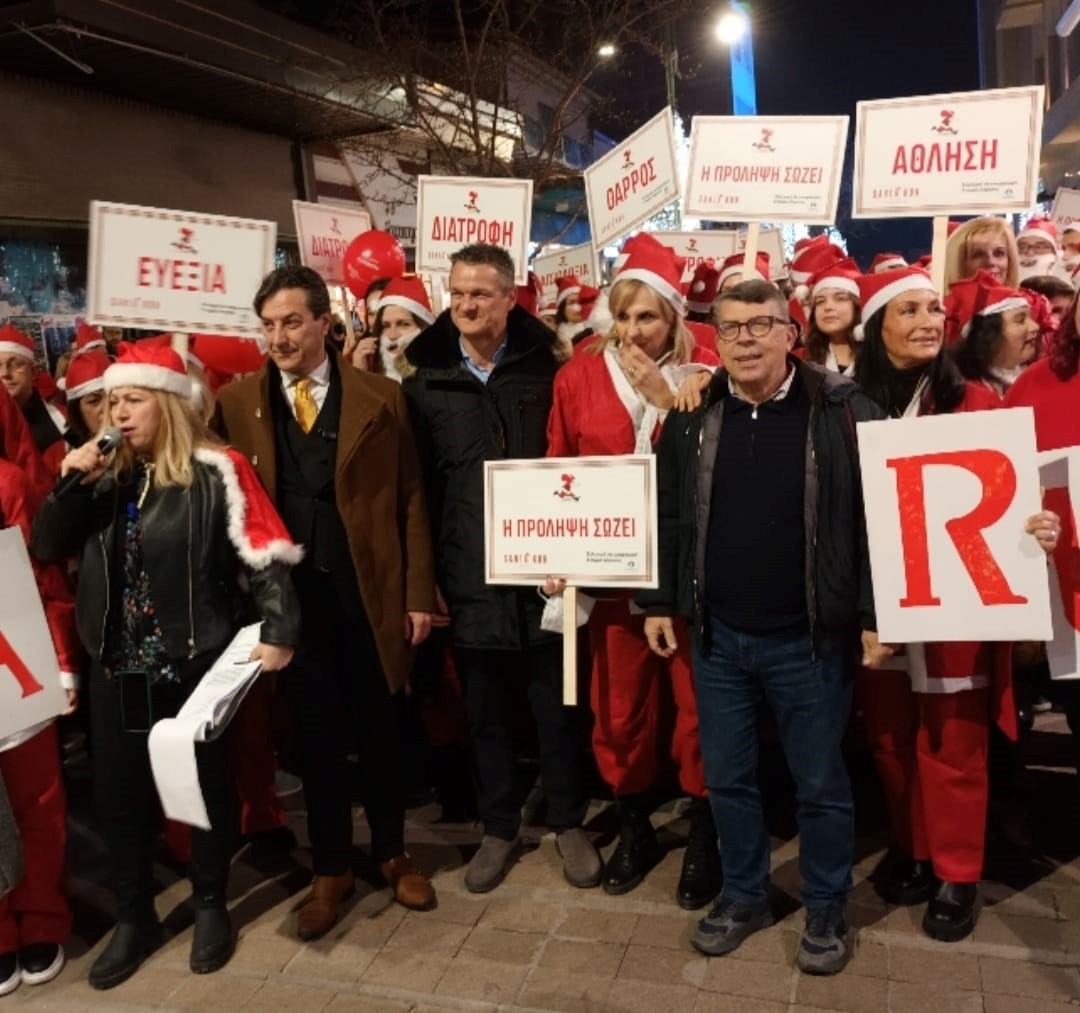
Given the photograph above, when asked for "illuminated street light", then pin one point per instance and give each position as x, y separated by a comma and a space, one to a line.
606, 50
732, 27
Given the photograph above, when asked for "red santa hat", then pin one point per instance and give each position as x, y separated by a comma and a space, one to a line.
876, 291
165, 341
802, 244
887, 262
14, 342
566, 286
1039, 227
978, 296
703, 288
924, 261
530, 295
734, 265
797, 312
86, 374
951, 226
587, 300
844, 275
149, 366
407, 292
659, 267
815, 257
88, 337
638, 241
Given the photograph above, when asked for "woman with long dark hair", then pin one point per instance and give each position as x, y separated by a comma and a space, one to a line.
833, 297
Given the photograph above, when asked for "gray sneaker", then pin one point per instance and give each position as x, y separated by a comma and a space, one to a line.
725, 927
581, 861
824, 947
490, 864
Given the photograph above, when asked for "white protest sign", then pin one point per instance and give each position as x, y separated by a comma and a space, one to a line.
766, 168
1059, 472
29, 672
579, 261
633, 181
1066, 208
707, 246
770, 241
323, 233
454, 211
947, 497
589, 520
157, 269
968, 153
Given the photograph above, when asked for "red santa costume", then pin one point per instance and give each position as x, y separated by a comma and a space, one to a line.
47, 423
927, 713
597, 410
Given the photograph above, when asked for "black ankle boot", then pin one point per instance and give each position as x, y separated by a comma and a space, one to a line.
638, 849
909, 881
951, 914
213, 943
130, 944
702, 876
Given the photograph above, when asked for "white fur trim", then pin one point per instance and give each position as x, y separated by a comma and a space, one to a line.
279, 550
1037, 233
566, 293
415, 308
802, 292
839, 281
654, 281
87, 387
696, 306
891, 265
858, 333
800, 276
14, 348
1013, 302
741, 269
883, 296
151, 377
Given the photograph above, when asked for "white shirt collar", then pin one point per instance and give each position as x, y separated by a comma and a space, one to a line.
320, 375
779, 394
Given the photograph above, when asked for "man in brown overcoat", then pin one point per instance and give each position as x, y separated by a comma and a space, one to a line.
334, 449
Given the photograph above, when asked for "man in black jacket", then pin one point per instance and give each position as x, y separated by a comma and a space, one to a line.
480, 390
763, 549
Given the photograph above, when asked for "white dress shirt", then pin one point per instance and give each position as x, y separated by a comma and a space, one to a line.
320, 385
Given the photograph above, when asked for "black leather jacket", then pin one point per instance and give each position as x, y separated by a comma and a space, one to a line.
197, 580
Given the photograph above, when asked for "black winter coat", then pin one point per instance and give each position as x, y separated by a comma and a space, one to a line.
839, 594
459, 423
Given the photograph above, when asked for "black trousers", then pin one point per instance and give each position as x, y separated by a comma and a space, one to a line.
340, 704
486, 678
128, 803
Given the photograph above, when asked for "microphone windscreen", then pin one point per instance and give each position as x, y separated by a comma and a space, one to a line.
110, 440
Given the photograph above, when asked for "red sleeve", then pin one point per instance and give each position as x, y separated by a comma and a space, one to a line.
977, 398
563, 427
17, 446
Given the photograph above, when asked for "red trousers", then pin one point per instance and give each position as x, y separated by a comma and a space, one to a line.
632, 694
931, 753
36, 911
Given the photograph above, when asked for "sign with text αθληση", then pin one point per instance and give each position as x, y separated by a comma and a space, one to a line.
323, 233
157, 269
968, 153
766, 168
456, 211
589, 520
633, 181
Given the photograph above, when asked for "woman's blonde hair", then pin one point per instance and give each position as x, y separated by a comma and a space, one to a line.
181, 432
622, 294
956, 251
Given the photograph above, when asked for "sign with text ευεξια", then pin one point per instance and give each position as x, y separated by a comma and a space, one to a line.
29, 673
156, 269
455, 211
589, 520
1066, 208
706, 246
1059, 473
633, 181
947, 498
969, 153
766, 168
579, 261
323, 233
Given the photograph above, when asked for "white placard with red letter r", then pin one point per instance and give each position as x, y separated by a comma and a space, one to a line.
947, 498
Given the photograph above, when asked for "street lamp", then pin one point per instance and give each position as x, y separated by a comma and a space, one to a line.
732, 27
735, 31
605, 50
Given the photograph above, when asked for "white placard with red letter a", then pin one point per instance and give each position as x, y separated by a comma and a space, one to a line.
29, 672
1059, 471
947, 498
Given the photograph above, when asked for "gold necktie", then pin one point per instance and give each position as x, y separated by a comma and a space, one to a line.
304, 404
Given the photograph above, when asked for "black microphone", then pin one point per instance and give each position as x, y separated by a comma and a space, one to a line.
110, 440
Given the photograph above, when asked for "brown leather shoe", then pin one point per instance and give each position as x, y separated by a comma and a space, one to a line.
412, 889
319, 909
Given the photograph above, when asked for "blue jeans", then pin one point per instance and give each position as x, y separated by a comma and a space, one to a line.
811, 698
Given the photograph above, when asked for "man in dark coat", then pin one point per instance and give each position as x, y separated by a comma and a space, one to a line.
478, 385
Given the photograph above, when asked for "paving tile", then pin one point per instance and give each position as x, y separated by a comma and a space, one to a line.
340, 962
481, 980
666, 931
343, 1003
905, 921
642, 997
913, 997
564, 991
276, 997
370, 931
775, 945
264, 953
406, 969
843, 992
664, 967
870, 959
1036, 981
752, 978
214, 991
453, 907
503, 946
601, 960
150, 986
1018, 1004
713, 1002
1034, 901
603, 926
428, 936
1017, 930
522, 914
927, 966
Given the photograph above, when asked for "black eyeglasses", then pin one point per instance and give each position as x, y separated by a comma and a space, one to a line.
756, 327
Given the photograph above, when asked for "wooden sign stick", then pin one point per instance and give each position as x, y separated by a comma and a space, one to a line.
350, 331
937, 252
179, 345
753, 239
569, 647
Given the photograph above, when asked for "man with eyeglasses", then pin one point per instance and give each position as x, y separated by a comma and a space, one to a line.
17, 374
763, 549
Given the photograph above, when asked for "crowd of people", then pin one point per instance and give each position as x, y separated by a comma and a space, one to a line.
332, 492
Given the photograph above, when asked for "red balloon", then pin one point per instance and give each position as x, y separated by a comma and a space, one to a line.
228, 355
372, 254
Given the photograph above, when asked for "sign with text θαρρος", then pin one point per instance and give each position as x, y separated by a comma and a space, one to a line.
1059, 473
456, 211
580, 261
589, 520
29, 672
766, 168
633, 181
969, 153
1066, 208
156, 269
323, 232
947, 498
